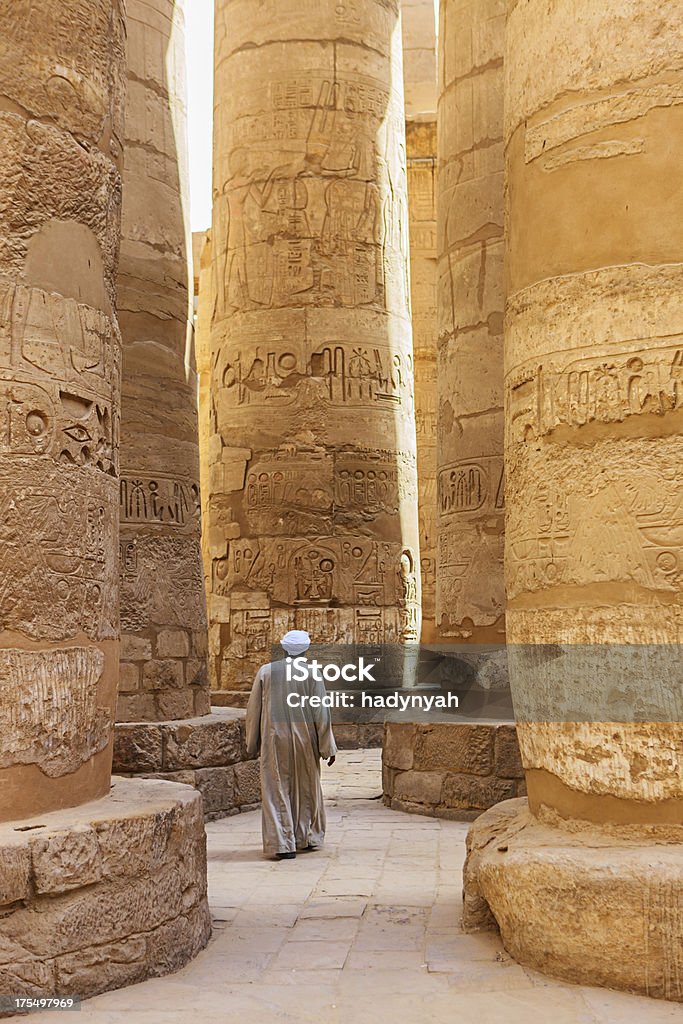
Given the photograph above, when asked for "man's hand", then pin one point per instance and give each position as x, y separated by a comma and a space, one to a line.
331, 761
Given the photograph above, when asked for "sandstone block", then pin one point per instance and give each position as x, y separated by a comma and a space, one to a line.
217, 786
200, 644
472, 792
202, 743
162, 675
135, 648
456, 748
172, 945
202, 702
15, 872
399, 745
173, 643
419, 787
196, 674
248, 783
109, 966
129, 677
508, 759
137, 747
68, 860
135, 707
174, 705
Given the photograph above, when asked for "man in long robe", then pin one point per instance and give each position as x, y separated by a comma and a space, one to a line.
291, 737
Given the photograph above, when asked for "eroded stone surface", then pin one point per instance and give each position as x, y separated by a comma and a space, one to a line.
470, 598
450, 770
60, 194
208, 753
561, 897
594, 402
105, 895
163, 611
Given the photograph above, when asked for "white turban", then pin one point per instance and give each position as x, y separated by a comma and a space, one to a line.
296, 642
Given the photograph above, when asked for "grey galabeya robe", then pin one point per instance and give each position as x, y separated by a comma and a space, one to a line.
291, 742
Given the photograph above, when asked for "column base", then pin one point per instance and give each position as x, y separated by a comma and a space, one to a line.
592, 905
103, 895
452, 770
208, 753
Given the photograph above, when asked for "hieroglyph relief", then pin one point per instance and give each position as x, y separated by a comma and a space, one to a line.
49, 714
57, 361
327, 224
346, 374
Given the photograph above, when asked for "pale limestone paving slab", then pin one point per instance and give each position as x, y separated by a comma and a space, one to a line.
446, 975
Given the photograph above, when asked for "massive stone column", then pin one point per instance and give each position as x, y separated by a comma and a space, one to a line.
419, 76
594, 534
201, 243
313, 497
60, 190
163, 610
165, 725
113, 890
470, 597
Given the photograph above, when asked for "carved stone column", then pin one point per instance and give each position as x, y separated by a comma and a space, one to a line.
419, 76
594, 546
165, 725
96, 875
163, 610
203, 278
470, 590
60, 193
313, 491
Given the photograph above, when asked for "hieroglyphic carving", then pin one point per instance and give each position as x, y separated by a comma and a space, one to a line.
49, 709
349, 374
57, 577
154, 566
60, 190
162, 581
163, 501
470, 597
313, 469
635, 530
595, 388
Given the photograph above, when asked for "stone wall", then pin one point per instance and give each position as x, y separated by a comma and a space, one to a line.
105, 895
450, 770
208, 753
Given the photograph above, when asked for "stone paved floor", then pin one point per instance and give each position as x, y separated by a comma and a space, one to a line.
364, 932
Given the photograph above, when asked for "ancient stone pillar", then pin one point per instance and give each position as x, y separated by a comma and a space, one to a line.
470, 589
163, 612
594, 541
419, 76
201, 243
313, 497
60, 124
